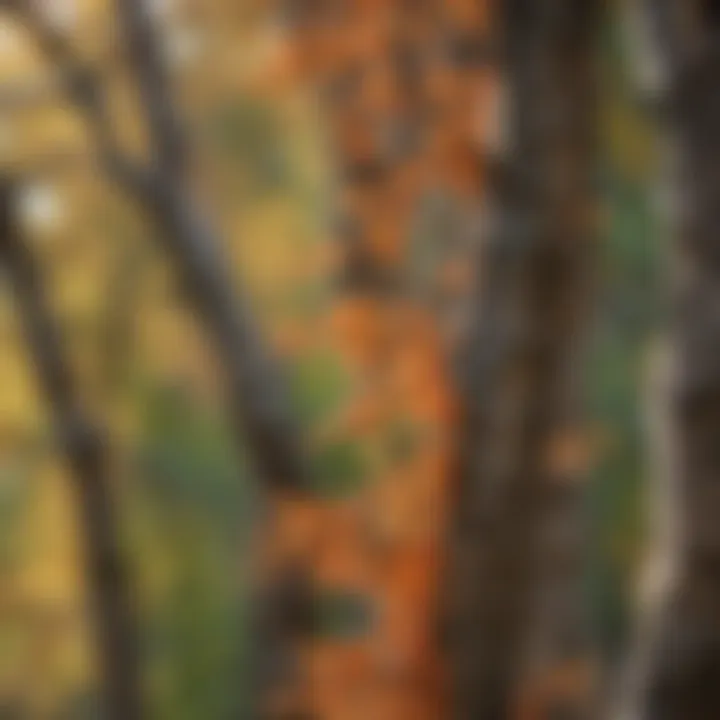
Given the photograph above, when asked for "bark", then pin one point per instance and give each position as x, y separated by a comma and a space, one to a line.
257, 393
514, 540
88, 458
661, 562
161, 189
682, 677
257, 398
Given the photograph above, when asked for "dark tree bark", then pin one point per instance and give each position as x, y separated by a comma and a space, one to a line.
87, 455
514, 565
682, 676
257, 398
161, 188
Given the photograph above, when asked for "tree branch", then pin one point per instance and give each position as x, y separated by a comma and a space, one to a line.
144, 55
87, 456
83, 86
258, 399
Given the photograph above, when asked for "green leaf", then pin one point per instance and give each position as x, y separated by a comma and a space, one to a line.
339, 469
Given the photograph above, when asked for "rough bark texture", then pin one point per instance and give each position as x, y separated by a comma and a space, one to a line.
683, 677
661, 562
87, 456
514, 538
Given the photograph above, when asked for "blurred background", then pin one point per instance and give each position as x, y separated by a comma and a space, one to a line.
344, 154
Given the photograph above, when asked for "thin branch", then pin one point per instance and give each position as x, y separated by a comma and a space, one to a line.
87, 456
258, 398
84, 87
153, 80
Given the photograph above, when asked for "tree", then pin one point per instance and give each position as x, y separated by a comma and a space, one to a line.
512, 587
88, 457
680, 676
257, 399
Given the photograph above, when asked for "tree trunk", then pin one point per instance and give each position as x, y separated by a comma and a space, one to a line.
661, 562
682, 678
515, 539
